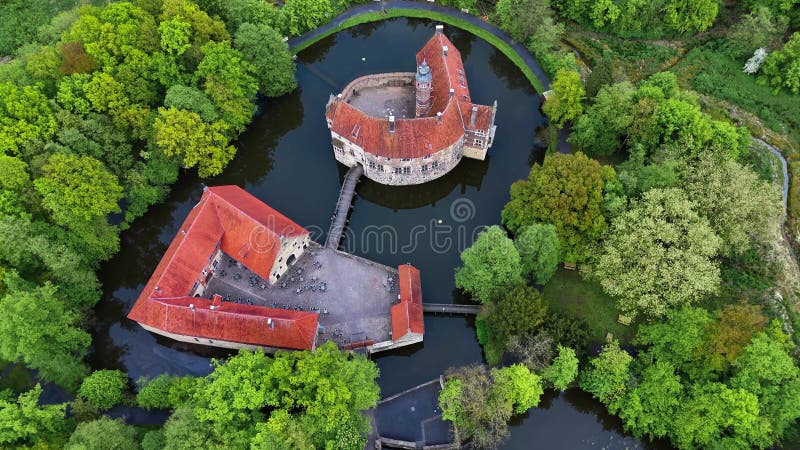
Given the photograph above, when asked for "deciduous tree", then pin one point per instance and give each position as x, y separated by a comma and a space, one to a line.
564, 369
264, 48
491, 266
103, 434
104, 388
539, 251
566, 102
183, 133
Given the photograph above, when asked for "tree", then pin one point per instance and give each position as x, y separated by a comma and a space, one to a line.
191, 99
691, 15
228, 81
608, 375
23, 422
726, 337
77, 189
565, 104
165, 392
25, 118
781, 69
183, 133
103, 434
659, 254
650, 405
757, 29
602, 128
564, 369
306, 15
104, 388
37, 329
518, 387
529, 22
566, 191
602, 75
491, 266
274, 66
539, 251
175, 36
520, 311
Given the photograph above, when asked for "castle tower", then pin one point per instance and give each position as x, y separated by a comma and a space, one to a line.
424, 86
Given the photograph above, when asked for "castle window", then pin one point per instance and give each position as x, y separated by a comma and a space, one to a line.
380, 167
478, 142
406, 170
398, 170
435, 164
424, 168
371, 164
480, 132
338, 149
405, 159
426, 157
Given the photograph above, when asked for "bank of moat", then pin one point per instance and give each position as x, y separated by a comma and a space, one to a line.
409, 128
239, 274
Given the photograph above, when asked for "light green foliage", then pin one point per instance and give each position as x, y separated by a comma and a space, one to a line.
103, 434
564, 369
519, 312
183, 133
566, 191
740, 207
23, 422
264, 48
165, 392
565, 104
324, 391
228, 81
781, 69
25, 118
104, 388
638, 178
539, 251
608, 375
282, 431
238, 12
490, 266
600, 130
154, 440
77, 189
450, 401
517, 386
766, 369
691, 15
191, 99
306, 15
175, 36
650, 405
659, 254
37, 329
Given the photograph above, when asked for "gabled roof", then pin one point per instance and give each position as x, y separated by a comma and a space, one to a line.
228, 218
407, 315
417, 137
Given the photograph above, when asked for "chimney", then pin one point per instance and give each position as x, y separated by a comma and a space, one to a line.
439, 28
439, 117
216, 300
391, 123
473, 117
444, 50
452, 92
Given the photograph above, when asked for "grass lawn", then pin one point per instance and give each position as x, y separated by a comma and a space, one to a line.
462, 24
570, 294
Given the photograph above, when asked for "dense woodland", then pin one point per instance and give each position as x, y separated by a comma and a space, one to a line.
671, 212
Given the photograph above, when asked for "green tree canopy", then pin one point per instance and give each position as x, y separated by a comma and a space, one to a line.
23, 422
564, 369
565, 103
608, 375
602, 128
104, 388
518, 387
539, 251
263, 47
566, 191
103, 434
202, 145
659, 254
519, 312
25, 118
491, 266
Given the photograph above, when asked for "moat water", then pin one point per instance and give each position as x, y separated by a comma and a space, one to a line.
285, 159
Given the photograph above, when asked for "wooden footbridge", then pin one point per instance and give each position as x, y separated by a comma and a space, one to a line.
451, 308
343, 205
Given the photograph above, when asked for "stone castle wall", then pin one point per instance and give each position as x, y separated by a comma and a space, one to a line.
397, 171
377, 80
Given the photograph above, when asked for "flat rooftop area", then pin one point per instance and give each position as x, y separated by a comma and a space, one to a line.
414, 416
383, 101
353, 296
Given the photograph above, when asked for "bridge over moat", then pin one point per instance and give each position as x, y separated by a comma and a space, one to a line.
343, 205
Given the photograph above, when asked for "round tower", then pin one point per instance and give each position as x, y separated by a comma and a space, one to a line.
424, 86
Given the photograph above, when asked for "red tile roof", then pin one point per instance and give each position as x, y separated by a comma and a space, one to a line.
245, 228
417, 137
407, 315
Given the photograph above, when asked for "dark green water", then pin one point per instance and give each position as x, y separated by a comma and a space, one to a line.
286, 160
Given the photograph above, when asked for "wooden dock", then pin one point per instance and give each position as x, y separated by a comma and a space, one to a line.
346, 194
450, 308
